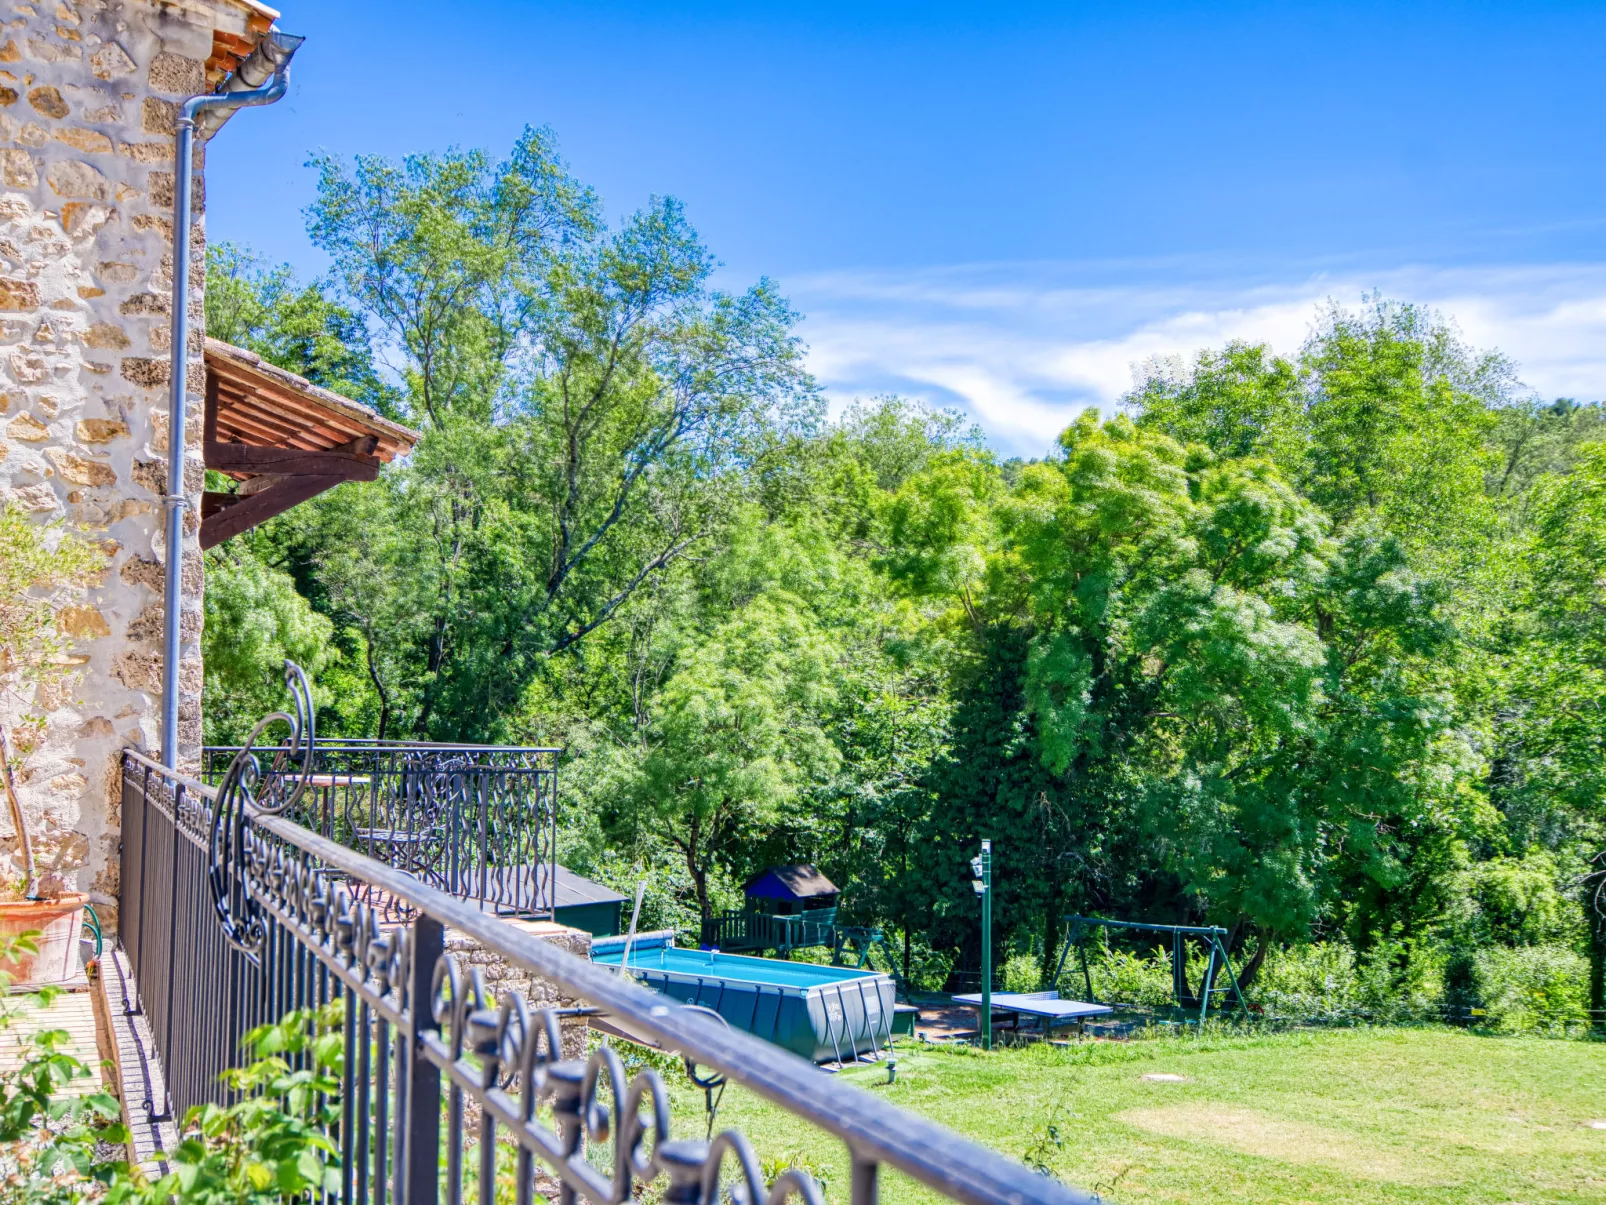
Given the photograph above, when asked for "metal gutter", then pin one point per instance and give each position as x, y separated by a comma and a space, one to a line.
262, 78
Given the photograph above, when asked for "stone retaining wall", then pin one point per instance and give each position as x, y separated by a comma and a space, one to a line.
501, 975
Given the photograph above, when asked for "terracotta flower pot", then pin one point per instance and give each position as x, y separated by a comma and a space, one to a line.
57, 923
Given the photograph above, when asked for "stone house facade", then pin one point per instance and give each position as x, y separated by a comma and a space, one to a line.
88, 94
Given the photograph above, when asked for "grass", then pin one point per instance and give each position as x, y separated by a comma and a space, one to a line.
1380, 1115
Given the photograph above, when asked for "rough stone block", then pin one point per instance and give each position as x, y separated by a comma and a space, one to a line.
101, 430
177, 75
110, 61
160, 187
158, 116
106, 335
30, 367
88, 141
76, 179
18, 295
80, 471
145, 303
148, 624
145, 372
83, 623
47, 101
28, 429
35, 498
84, 219
18, 169
53, 52
146, 152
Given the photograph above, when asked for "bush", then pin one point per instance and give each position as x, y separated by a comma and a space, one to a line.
49, 1134
1022, 973
1122, 977
1312, 981
1532, 987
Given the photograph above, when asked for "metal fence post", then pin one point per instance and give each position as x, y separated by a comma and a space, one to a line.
864, 1187
421, 1124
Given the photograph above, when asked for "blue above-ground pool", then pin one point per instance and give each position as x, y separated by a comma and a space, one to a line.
823, 1013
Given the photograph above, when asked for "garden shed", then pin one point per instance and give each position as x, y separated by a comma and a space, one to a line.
583, 904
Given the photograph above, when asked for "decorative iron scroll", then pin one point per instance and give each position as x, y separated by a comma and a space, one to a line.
509, 1058
270, 791
437, 1075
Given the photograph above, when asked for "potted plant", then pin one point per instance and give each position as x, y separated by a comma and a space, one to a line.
40, 571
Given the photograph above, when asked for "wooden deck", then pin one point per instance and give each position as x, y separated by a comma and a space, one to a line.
72, 1012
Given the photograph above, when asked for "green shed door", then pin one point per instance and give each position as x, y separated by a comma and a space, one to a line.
599, 920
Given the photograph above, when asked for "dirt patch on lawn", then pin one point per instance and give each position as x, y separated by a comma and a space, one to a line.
1264, 1136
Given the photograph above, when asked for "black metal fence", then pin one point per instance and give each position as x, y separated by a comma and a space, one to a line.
423, 1039
477, 821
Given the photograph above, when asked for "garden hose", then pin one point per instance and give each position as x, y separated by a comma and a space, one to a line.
92, 923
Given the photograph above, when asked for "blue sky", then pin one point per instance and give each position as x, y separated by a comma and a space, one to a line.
1006, 207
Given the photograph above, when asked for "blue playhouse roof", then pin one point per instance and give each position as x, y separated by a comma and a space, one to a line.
801, 882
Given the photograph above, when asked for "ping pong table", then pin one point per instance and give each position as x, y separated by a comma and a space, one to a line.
1045, 1006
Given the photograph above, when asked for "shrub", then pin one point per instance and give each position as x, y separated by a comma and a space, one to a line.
1122, 977
1532, 987
1022, 973
48, 1134
271, 1144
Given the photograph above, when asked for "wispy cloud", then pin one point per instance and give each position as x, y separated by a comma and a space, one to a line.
1024, 347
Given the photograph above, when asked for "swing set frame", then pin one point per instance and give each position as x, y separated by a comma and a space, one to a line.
1212, 936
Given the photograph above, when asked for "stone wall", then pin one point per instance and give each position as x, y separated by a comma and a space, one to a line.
501, 975
88, 92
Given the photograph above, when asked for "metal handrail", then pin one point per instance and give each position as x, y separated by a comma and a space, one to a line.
388, 743
301, 863
478, 820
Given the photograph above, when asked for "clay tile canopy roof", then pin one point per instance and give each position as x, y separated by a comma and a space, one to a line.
284, 439
231, 45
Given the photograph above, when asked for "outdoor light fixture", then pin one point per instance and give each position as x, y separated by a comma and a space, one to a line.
982, 867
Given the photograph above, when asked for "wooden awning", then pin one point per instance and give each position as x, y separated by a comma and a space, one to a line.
284, 439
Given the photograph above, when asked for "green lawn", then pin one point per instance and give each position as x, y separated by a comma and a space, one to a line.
1389, 1115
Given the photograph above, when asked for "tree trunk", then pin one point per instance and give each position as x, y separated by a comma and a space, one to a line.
699, 880
1597, 969
1246, 974
1051, 940
24, 839
379, 686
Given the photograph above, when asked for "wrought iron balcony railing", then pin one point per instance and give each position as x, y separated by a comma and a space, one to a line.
231, 918
477, 821
233, 914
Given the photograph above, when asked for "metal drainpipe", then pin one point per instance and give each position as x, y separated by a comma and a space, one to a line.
260, 80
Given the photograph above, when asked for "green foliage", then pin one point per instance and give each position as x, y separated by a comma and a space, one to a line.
1307, 646
42, 572
589, 403
255, 621
1528, 988
49, 1130
297, 326
1022, 973
272, 1144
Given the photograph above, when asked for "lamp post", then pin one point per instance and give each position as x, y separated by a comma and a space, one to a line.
982, 867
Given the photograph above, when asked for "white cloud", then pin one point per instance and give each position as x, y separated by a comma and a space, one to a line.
1024, 348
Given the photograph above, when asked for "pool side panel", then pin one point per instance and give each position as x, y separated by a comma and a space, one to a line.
820, 1023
